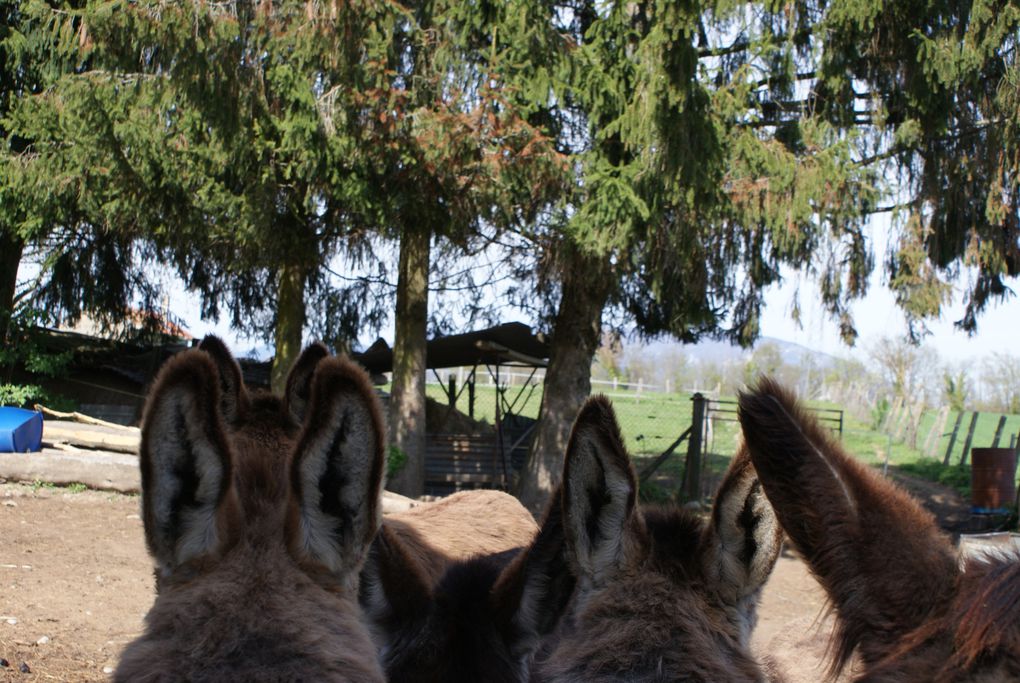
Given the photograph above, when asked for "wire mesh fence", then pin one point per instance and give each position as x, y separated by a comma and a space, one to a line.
652, 420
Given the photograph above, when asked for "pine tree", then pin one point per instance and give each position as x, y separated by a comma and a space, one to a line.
460, 160
30, 61
199, 139
730, 138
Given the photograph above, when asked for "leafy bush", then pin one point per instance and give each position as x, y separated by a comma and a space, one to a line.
954, 476
395, 460
20, 394
23, 347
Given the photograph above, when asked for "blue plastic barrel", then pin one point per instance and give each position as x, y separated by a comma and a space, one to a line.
20, 430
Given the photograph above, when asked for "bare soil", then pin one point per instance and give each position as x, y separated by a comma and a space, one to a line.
76, 582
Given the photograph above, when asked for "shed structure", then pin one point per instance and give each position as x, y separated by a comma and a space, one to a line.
488, 458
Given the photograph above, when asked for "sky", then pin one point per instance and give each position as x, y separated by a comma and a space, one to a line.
876, 316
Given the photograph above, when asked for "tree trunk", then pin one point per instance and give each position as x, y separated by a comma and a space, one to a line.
575, 339
407, 398
290, 322
11, 248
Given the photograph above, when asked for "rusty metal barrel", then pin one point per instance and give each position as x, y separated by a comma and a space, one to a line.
992, 480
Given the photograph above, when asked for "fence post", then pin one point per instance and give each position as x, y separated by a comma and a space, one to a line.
471, 398
915, 424
891, 416
998, 431
970, 438
952, 438
931, 443
903, 424
452, 383
692, 477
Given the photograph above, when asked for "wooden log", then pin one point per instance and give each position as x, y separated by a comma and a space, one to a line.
96, 469
84, 419
66, 432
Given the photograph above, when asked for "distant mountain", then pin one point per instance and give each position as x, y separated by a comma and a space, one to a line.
711, 351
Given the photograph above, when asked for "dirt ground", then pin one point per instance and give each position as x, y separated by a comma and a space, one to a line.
76, 581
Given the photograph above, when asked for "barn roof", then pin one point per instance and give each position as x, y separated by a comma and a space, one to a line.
507, 344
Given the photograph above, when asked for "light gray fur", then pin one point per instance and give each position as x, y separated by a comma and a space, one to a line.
169, 446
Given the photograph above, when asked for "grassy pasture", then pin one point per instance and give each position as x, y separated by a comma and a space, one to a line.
651, 421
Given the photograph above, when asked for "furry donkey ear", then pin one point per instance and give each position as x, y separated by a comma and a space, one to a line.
742, 542
876, 552
394, 588
337, 470
533, 591
185, 460
599, 492
233, 395
299, 380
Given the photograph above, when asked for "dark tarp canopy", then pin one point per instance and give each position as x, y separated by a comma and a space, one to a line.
507, 344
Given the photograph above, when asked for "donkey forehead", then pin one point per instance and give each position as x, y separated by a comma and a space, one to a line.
676, 541
262, 446
267, 431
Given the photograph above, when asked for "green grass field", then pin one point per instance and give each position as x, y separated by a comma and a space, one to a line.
650, 422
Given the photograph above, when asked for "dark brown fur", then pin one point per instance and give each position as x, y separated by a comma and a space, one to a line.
444, 616
661, 595
895, 580
242, 593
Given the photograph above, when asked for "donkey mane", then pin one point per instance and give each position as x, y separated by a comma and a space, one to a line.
893, 578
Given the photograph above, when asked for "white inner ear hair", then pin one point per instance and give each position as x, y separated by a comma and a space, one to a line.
176, 428
733, 577
348, 440
587, 468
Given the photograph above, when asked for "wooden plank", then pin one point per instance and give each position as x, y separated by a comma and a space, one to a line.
462, 479
463, 460
83, 436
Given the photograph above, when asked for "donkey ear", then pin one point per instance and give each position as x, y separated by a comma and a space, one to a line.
852, 526
299, 381
394, 588
599, 492
233, 395
338, 469
743, 542
532, 592
185, 461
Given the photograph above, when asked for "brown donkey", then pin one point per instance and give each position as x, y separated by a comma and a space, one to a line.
661, 595
462, 590
258, 512
904, 600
